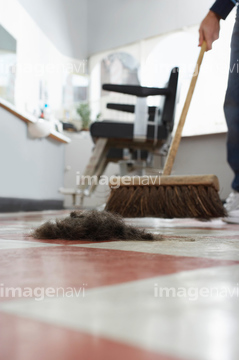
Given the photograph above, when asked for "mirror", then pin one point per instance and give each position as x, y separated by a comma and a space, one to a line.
8, 46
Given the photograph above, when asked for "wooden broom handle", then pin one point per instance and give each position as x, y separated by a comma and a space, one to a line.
177, 137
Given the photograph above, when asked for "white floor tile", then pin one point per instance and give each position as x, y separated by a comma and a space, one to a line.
19, 244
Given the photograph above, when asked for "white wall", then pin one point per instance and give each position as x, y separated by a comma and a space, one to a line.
30, 168
63, 21
113, 23
201, 155
80, 28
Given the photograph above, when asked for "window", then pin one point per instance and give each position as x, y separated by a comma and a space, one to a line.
153, 60
116, 68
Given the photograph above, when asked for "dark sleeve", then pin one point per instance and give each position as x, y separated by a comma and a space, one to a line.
223, 7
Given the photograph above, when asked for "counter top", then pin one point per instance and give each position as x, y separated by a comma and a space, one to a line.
28, 118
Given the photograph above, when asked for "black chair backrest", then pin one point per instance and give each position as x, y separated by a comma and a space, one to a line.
168, 111
169, 105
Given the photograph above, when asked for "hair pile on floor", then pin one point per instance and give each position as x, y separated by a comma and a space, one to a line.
91, 225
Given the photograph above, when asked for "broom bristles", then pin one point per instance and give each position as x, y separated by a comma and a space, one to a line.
199, 201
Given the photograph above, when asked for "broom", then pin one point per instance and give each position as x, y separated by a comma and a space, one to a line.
168, 196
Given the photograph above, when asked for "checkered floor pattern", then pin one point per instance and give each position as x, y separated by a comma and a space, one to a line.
164, 300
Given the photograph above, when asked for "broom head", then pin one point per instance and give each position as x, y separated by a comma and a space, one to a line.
166, 197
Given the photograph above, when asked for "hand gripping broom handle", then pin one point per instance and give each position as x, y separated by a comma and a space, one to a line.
177, 137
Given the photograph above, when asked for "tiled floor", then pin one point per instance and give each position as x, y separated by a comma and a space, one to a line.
165, 300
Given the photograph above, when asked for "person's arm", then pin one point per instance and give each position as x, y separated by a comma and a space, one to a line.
223, 7
210, 26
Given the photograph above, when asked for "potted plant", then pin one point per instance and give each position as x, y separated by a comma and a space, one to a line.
84, 111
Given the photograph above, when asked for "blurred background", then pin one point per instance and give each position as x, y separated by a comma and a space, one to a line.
54, 57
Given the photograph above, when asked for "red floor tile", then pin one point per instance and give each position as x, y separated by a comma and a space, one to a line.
35, 340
